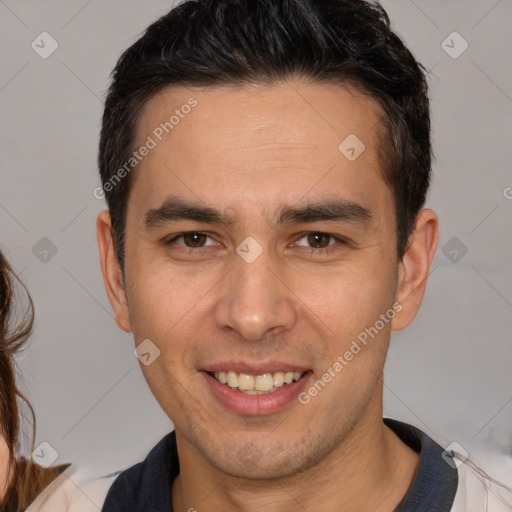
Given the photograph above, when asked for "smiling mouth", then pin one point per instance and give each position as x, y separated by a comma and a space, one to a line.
256, 384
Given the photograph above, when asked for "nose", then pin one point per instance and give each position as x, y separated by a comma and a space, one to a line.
254, 300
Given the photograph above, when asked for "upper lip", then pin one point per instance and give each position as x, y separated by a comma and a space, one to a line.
254, 368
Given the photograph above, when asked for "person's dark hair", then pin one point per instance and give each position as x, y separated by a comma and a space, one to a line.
220, 42
26, 479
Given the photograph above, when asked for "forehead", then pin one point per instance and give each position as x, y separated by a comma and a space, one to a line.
240, 144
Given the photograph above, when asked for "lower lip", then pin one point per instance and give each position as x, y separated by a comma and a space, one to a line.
256, 405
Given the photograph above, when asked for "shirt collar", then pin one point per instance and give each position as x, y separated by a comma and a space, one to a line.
146, 487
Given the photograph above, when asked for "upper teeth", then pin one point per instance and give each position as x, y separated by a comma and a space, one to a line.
265, 382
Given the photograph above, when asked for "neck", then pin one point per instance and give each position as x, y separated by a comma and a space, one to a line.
371, 469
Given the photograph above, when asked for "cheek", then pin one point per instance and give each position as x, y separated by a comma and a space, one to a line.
160, 295
350, 299
165, 311
168, 308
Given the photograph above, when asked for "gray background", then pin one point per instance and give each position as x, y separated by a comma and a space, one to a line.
449, 373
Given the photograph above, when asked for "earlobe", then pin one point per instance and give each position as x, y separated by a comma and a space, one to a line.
111, 271
414, 267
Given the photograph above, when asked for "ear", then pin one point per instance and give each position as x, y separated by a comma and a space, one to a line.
414, 268
111, 271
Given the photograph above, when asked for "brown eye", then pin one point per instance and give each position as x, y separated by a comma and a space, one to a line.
194, 239
320, 244
319, 240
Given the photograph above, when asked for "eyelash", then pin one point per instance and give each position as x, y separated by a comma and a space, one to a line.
311, 250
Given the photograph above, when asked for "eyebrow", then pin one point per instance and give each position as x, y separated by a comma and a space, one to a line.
178, 209
334, 211
173, 209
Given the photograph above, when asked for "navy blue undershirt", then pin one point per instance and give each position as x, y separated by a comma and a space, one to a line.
146, 486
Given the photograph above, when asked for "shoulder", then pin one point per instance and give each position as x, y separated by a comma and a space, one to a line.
146, 485
480, 492
75, 490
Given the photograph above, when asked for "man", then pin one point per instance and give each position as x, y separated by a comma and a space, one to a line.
266, 165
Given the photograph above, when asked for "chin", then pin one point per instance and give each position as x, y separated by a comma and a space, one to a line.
257, 461
263, 470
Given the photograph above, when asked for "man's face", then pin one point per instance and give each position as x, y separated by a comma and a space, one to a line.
303, 284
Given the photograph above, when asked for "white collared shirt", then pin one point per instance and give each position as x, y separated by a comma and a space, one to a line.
75, 490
